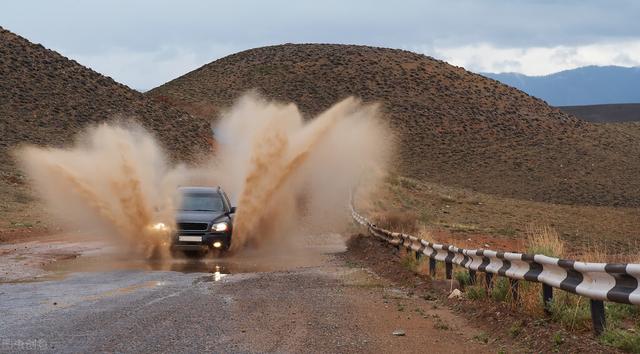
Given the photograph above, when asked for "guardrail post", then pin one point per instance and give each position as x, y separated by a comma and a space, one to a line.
432, 266
487, 278
472, 277
418, 256
597, 316
513, 286
448, 269
547, 296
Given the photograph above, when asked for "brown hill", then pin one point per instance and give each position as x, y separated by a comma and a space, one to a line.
455, 127
45, 98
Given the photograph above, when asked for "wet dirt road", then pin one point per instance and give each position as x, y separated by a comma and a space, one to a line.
323, 305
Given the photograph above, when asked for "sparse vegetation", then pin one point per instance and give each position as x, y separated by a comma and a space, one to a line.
482, 337
21, 224
438, 323
501, 290
558, 339
463, 278
571, 311
507, 231
515, 329
409, 262
626, 340
476, 292
501, 221
544, 240
398, 221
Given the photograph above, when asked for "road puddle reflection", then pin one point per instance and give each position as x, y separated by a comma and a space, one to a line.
217, 266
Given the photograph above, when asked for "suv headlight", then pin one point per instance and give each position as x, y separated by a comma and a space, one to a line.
160, 227
221, 226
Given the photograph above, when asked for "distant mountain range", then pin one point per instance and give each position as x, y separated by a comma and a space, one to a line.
588, 85
606, 113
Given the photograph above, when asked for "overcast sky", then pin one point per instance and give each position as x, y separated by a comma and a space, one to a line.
145, 43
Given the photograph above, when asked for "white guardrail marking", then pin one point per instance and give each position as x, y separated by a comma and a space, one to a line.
615, 282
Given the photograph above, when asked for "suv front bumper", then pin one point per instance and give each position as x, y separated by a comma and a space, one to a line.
208, 239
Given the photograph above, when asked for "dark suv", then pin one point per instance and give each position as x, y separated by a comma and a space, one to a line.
204, 220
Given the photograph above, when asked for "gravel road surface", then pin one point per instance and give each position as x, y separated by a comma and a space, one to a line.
241, 306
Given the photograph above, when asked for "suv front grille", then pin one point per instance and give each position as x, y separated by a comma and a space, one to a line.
192, 226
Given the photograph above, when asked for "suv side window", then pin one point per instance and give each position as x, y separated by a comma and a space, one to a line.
225, 199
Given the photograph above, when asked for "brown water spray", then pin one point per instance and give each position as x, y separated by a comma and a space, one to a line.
287, 177
282, 166
106, 185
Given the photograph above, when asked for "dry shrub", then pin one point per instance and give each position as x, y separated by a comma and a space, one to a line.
424, 233
530, 298
405, 222
422, 267
603, 252
544, 240
541, 239
593, 253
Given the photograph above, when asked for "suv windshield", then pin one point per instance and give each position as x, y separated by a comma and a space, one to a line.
201, 202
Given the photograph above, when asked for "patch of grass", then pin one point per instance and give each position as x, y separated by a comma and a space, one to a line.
482, 337
351, 264
21, 224
397, 221
429, 297
407, 182
500, 290
425, 217
22, 197
463, 278
617, 313
462, 228
439, 323
571, 311
507, 231
558, 339
621, 339
544, 240
515, 329
476, 292
409, 262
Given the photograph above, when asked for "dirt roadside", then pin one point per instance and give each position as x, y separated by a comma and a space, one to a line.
494, 320
24, 256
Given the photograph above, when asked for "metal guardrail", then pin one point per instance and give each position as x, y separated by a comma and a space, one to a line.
615, 282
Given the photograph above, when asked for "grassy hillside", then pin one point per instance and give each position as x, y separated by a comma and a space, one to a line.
46, 98
455, 127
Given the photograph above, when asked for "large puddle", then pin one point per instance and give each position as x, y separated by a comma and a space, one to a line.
310, 255
184, 265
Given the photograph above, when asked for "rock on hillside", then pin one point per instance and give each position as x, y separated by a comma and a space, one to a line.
455, 127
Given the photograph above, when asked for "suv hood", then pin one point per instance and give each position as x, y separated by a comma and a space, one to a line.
198, 216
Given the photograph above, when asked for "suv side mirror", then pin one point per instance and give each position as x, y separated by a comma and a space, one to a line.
232, 210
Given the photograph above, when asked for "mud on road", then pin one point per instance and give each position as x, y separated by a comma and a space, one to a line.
323, 305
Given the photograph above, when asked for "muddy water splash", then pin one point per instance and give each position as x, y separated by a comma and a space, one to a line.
297, 176
287, 177
109, 183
